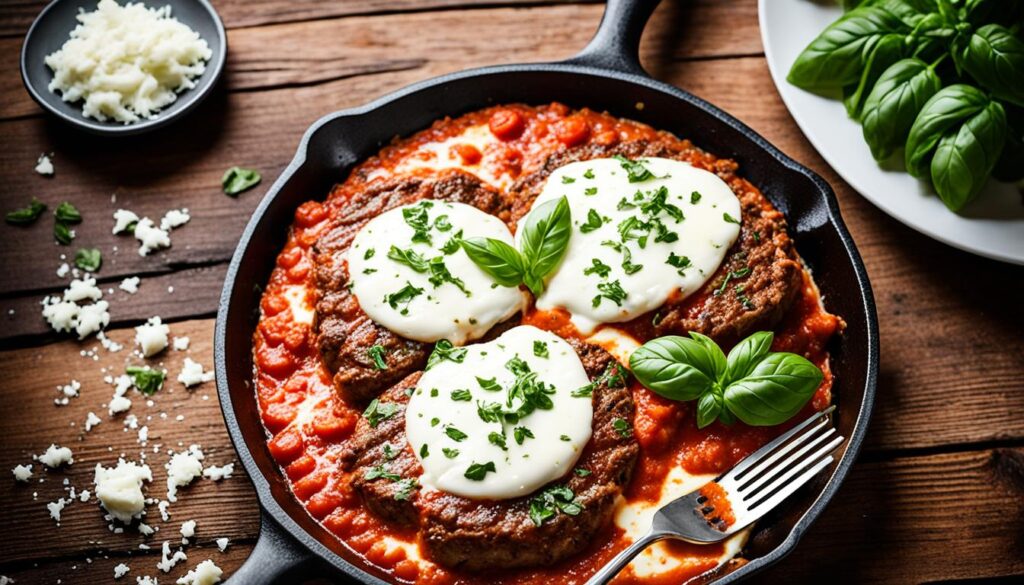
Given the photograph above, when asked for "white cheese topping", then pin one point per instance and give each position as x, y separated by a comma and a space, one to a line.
188, 530
634, 244
22, 472
130, 285
182, 469
119, 489
121, 570
56, 456
222, 544
44, 166
205, 573
151, 336
442, 294
192, 373
150, 237
448, 413
174, 218
127, 62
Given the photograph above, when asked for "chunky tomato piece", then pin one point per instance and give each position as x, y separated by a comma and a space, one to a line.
273, 304
289, 257
573, 131
300, 468
275, 361
286, 446
467, 153
506, 124
310, 213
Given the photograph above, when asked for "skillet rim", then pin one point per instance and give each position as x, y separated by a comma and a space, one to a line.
283, 520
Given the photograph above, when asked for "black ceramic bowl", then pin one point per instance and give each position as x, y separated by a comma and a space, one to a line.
605, 76
51, 28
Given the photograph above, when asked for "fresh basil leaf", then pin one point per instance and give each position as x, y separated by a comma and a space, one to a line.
26, 215
716, 358
836, 58
747, 353
675, 367
888, 50
67, 213
966, 156
891, 107
777, 388
545, 240
499, 260
477, 471
88, 259
409, 257
709, 406
948, 107
146, 379
994, 57
237, 179
62, 233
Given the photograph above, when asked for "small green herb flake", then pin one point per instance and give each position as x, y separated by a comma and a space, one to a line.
730, 219
237, 179
88, 259
580, 472
62, 233
489, 384
400, 299
565, 438
594, 222
435, 421
424, 451
26, 215
680, 263
390, 452
455, 434
380, 472
610, 290
520, 434
378, 411
450, 453
695, 197
444, 350
599, 268
461, 395
622, 427
589, 174
67, 213
567, 180
146, 379
369, 253
635, 170
540, 348
377, 353
498, 440
405, 489
590, 191
477, 471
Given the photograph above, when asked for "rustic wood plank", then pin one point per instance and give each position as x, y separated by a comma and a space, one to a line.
441, 42
31, 380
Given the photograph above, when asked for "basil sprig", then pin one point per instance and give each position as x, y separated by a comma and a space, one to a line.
238, 179
753, 384
943, 78
542, 246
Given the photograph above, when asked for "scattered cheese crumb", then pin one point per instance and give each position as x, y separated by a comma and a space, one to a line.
181, 343
222, 544
119, 489
92, 318
215, 473
182, 469
150, 237
44, 166
130, 285
91, 420
81, 289
22, 472
123, 218
188, 530
192, 373
174, 218
109, 344
152, 336
55, 456
162, 506
205, 573
121, 570
119, 404
55, 508
63, 270
167, 560
145, 580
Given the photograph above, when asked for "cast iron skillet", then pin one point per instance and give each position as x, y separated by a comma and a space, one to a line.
606, 76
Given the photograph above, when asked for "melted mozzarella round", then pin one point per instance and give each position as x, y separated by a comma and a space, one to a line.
634, 244
450, 436
429, 289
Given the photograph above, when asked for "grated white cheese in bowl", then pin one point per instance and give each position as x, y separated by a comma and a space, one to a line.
127, 62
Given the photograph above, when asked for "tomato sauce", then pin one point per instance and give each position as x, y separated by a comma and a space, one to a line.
308, 423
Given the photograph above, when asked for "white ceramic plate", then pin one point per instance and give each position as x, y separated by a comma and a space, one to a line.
991, 226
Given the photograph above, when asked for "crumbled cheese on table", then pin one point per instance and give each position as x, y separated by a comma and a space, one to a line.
119, 489
205, 573
151, 337
192, 373
55, 456
22, 472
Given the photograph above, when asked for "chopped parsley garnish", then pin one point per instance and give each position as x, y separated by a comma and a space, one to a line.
453, 244
635, 169
450, 453
540, 348
409, 257
434, 421
237, 179
402, 297
416, 217
594, 221
735, 274
369, 253
377, 353
489, 412
743, 298
498, 440
590, 191
520, 434
599, 268
444, 350
477, 471
26, 215
433, 392
622, 427
552, 500
757, 237
146, 379
613, 375
627, 256
380, 472
378, 411
611, 291
455, 434
67, 213
405, 489
580, 472
694, 197
730, 219
565, 438
589, 174
442, 223
491, 385
424, 451
461, 395
439, 275
567, 180
680, 263
390, 452
88, 259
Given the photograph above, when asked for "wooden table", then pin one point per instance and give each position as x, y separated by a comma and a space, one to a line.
938, 493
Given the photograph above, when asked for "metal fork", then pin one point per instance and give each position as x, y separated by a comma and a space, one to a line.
756, 485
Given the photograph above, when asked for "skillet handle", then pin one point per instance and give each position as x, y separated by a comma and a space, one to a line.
616, 44
277, 558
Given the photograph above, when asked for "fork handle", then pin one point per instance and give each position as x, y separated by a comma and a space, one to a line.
614, 566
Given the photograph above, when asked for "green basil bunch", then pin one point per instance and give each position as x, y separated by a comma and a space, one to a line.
544, 241
944, 79
753, 384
